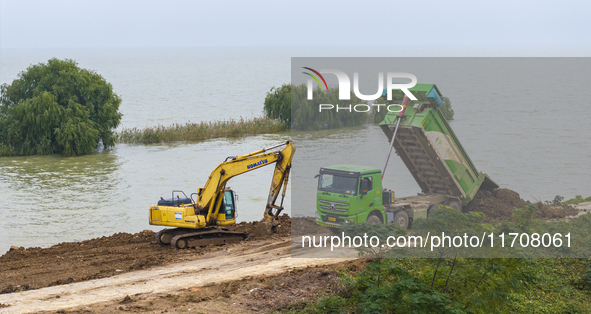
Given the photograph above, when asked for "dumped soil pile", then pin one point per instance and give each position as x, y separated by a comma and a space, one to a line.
499, 204
554, 211
33, 268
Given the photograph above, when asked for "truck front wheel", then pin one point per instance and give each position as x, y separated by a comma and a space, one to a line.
431, 208
401, 219
373, 220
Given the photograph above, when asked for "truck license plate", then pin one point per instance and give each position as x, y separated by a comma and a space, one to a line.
332, 219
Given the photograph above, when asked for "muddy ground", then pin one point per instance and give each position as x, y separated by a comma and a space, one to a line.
33, 268
499, 204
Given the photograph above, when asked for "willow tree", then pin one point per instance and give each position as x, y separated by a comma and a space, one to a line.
290, 103
57, 108
278, 103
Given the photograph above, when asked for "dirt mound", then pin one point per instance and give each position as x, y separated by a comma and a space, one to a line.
34, 268
499, 204
283, 229
554, 211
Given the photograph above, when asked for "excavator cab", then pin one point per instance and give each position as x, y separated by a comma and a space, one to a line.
228, 207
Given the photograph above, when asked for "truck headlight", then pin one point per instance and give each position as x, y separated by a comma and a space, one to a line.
318, 216
349, 221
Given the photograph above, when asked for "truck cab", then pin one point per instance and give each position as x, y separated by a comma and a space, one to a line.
349, 194
354, 194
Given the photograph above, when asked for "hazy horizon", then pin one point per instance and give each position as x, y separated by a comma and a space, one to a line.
430, 27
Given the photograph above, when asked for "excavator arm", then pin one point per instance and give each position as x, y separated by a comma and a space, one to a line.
280, 179
209, 198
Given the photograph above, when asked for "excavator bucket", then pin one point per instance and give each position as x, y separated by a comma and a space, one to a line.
264, 228
267, 225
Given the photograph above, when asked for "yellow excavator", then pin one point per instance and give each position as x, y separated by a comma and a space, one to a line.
200, 218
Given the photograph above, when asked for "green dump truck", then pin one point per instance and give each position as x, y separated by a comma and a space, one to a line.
429, 149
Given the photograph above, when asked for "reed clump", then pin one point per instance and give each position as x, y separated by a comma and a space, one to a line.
201, 131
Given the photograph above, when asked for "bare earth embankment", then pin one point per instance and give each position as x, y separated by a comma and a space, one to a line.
131, 272
107, 270
33, 268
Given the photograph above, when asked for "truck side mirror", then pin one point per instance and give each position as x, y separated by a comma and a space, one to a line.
363, 193
316, 176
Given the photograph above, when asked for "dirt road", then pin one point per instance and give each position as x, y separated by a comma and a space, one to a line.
234, 262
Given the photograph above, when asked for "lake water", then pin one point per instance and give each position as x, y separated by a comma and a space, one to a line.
538, 148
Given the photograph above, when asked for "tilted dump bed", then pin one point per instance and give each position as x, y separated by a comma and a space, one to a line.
431, 151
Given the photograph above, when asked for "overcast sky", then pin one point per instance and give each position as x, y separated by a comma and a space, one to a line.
404, 24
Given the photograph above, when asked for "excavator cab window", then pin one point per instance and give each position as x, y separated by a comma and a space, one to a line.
228, 205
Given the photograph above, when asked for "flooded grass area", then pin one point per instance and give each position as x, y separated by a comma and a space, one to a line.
201, 131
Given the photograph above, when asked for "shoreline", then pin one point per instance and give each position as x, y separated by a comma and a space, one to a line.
200, 131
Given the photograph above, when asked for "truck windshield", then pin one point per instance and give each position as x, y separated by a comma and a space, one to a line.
338, 184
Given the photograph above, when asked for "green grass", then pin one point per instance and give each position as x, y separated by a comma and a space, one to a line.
558, 288
200, 131
578, 199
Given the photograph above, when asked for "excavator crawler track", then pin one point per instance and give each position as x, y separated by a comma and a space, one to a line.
164, 236
216, 236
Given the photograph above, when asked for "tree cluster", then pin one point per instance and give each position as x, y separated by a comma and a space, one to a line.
57, 107
290, 103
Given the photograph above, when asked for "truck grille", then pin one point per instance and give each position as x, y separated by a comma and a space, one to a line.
334, 206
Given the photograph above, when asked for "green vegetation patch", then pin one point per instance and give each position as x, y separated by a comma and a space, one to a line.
577, 199
461, 286
290, 104
57, 107
200, 131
